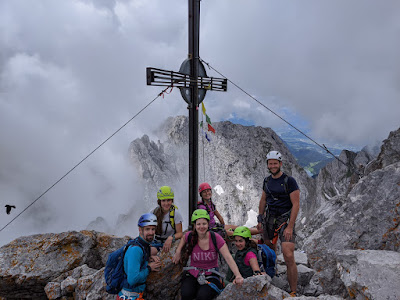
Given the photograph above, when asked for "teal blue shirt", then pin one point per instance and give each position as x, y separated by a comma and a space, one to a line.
135, 269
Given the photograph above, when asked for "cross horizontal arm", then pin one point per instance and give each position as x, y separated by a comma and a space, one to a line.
159, 77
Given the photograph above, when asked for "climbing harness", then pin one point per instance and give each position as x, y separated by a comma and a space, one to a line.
202, 277
126, 295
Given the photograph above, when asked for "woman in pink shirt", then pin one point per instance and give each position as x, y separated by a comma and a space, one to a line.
202, 279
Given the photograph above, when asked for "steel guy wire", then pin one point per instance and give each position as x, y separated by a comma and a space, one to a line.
86, 157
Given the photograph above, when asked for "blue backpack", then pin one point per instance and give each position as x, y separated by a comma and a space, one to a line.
114, 272
266, 259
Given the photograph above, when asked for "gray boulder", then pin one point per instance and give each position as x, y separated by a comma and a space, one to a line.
370, 274
256, 287
389, 153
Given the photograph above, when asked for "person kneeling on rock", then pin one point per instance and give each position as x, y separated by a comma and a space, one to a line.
169, 220
246, 255
201, 280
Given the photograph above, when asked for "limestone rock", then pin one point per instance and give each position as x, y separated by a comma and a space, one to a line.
28, 263
234, 164
370, 274
166, 283
256, 287
53, 290
100, 224
389, 153
299, 257
69, 284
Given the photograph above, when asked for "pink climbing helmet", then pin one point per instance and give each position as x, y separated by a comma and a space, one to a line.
204, 186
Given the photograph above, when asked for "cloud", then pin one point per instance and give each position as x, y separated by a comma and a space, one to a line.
72, 72
331, 62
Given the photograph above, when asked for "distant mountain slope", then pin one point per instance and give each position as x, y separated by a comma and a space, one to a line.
309, 155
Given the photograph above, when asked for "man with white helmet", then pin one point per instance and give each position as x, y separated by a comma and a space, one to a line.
138, 262
278, 209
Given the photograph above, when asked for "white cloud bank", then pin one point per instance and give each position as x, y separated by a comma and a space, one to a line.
71, 72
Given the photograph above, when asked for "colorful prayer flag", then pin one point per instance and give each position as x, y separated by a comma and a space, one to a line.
201, 124
208, 119
203, 108
210, 128
208, 138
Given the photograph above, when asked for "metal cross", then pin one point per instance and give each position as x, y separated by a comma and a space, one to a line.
193, 83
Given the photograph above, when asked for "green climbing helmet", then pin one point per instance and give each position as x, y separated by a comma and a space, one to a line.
200, 214
165, 192
242, 231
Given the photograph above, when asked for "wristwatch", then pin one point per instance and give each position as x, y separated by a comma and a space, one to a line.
173, 238
257, 272
148, 267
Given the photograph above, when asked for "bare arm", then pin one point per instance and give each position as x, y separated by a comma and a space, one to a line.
231, 263
179, 232
178, 235
254, 264
219, 217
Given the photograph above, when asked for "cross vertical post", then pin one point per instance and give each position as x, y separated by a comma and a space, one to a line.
193, 83
194, 29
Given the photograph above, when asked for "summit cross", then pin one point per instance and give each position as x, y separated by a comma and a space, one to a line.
193, 83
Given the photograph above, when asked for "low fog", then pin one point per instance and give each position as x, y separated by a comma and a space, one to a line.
72, 72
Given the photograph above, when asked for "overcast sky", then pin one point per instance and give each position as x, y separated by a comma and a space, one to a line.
72, 72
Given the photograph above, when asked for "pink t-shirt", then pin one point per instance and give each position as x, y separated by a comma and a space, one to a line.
249, 256
205, 259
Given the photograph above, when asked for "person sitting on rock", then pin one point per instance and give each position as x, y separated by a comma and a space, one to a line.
246, 254
169, 220
201, 279
206, 203
136, 267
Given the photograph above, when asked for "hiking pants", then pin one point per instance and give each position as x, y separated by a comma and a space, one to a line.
191, 289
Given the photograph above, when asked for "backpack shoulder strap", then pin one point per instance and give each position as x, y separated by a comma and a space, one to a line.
214, 240
266, 179
285, 184
172, 217
136, 242
213, 207
189, 238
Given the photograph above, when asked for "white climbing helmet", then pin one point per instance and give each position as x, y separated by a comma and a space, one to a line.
274, 155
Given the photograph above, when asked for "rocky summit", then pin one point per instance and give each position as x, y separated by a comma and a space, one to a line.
348, 243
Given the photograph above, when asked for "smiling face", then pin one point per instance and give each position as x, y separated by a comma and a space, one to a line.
274, 166
147, 233
240, 242
206, 194
201, 226
166, 204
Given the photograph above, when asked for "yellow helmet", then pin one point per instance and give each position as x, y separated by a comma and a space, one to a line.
165, 192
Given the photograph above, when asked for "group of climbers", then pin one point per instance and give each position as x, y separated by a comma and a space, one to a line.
278, 209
